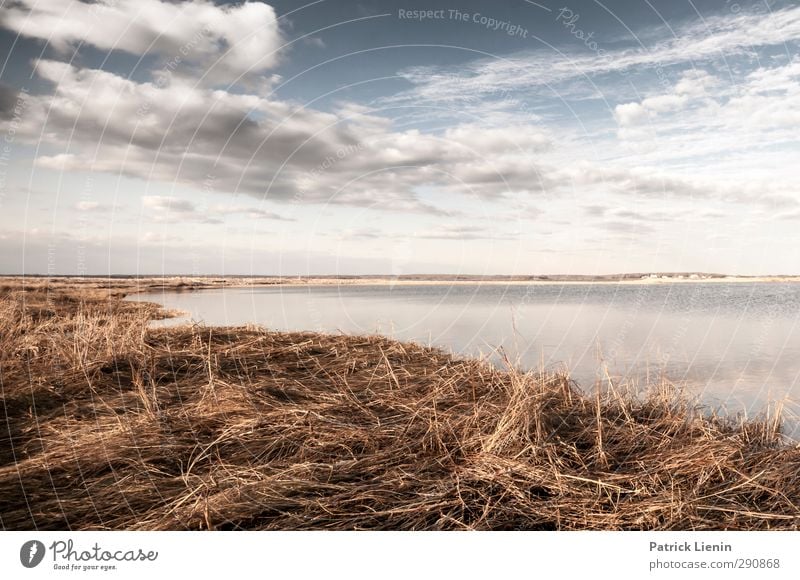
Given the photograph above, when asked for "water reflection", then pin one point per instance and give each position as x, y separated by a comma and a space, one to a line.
735, 344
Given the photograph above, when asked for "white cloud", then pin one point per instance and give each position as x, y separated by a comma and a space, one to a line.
92, 206
87, 205
281, 151
769, 98
713, 38
176, 132
179, 133
691, 88
630, 114
224, 41
696, 83
250, 212
60, 162
748, 120
165, 203
174, 210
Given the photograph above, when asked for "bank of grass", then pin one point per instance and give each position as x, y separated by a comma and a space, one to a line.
110, 425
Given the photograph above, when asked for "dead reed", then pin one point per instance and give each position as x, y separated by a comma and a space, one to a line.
109, 425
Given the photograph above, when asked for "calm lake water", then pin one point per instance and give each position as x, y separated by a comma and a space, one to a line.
735, 345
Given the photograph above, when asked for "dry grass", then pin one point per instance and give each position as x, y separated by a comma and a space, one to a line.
109, 425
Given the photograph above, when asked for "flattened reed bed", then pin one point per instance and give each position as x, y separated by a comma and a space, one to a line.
111, 425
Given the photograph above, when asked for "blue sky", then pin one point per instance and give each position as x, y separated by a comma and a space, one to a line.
399, 137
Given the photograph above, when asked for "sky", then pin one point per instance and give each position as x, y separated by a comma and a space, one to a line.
395, 137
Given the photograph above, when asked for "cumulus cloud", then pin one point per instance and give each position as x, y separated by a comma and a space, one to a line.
87, 205
92, 206
692, 88
223, 41
168, 209
250, 212
271, 148
164, 203
179, 132
630, 114
172, 209
705, 127
696, 83
280, 151
746, 124
769, 98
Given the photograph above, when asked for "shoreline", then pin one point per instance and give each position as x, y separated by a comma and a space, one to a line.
232, 428
123, 286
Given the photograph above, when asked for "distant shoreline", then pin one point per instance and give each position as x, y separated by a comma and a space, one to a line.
145, 284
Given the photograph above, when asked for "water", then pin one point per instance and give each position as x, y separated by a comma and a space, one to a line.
736, 345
